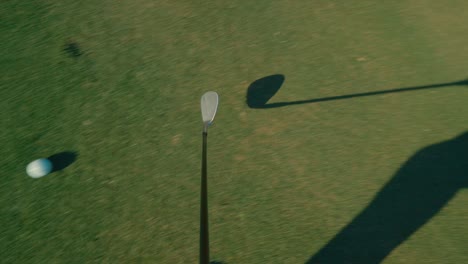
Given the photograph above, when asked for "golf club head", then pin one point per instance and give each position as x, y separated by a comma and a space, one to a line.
262, 90
209, 105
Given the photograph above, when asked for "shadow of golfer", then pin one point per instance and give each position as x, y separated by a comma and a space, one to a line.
417, 192
62, 160
261, 90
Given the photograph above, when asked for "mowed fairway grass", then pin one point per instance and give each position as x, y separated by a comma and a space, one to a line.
119, 83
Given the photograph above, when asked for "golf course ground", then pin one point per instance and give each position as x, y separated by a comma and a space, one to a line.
340, 135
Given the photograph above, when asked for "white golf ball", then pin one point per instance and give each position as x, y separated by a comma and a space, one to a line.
39, 168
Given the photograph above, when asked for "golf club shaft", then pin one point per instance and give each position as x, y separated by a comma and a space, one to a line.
204, 236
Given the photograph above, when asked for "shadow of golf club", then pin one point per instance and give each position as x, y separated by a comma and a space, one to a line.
262, 90
417, 192
62, 160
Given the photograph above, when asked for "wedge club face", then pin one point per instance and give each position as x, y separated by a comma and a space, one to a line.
209, 105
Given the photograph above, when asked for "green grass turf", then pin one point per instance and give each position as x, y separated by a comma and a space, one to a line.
120, 82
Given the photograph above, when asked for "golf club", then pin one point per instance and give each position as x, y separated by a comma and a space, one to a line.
209, 105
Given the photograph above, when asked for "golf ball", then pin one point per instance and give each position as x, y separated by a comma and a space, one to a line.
39, 168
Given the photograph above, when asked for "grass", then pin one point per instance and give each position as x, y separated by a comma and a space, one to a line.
119, 84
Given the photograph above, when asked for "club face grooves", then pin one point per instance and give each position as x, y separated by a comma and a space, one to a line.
209, 106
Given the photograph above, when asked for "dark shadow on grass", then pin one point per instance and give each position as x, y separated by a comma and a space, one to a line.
417, 192
62, 160
72, 49
217, 262
262, 90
